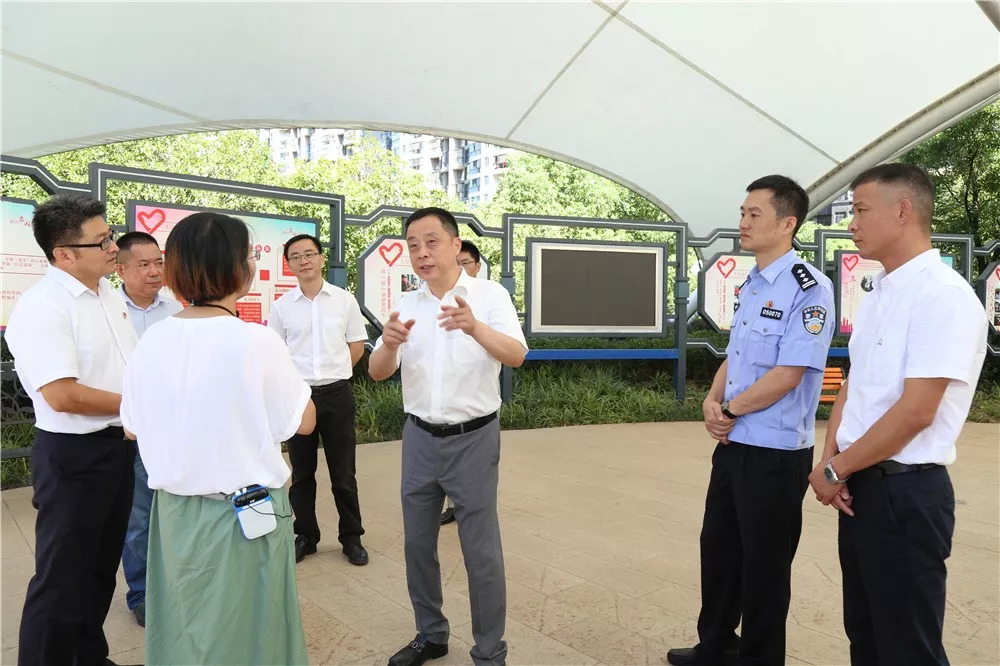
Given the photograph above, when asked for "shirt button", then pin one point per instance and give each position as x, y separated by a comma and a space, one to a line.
754, 292
730, 381
744, 322
765, 329
737, 353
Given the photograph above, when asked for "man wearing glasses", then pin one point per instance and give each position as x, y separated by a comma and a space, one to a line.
325, 332
71, 337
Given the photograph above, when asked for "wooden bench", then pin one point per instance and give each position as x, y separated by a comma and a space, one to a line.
833, 379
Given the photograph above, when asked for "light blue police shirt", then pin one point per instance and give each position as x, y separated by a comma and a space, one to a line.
785, 316
161, 308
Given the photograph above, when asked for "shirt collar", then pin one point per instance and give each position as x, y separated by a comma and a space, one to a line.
776, 267
71, 284
157, 301
463, 287
327, 288
904, 274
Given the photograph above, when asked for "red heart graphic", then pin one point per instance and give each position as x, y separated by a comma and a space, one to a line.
997, 271
726, 267
391, 253
850, 261
157, 216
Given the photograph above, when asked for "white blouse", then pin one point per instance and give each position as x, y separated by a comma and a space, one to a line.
210, 401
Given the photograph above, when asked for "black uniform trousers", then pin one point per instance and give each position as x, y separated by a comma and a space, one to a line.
83, 494
753, 519
892, 555
335, 425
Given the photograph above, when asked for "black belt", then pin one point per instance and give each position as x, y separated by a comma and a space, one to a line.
458, 429
326, 388
890, 467
111, 432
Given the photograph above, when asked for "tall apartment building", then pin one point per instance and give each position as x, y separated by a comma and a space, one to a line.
837, 211
467, 170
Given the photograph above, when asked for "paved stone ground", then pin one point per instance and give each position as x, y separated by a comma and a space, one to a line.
600, 532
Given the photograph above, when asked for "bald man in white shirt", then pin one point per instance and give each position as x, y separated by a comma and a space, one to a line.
916, 353
70, 337
450, 338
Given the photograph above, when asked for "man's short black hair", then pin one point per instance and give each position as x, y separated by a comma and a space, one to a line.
127, 241
57, 221
296, 239
471, 249
790, 200
448, 220
909, 176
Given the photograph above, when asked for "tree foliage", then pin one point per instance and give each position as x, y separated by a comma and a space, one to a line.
964, 162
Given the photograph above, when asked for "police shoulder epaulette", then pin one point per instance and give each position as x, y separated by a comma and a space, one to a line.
803, 277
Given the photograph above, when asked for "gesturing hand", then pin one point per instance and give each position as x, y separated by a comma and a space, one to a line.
459, 317
396, 332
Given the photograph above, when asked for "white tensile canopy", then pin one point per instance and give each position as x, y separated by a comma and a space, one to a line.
685, 102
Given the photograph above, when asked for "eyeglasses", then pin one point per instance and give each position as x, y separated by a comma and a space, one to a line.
468, 262
104, 244
297, 258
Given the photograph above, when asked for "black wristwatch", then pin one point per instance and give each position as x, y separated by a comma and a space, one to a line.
725, 411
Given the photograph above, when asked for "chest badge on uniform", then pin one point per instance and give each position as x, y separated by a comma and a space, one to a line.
769, 312
814, 318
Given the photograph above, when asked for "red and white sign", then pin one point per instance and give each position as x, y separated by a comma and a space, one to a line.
721, 285
992, 300
22, 262
388, 275
857, 277
268, 236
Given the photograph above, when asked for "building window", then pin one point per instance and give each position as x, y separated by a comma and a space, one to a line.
486, 180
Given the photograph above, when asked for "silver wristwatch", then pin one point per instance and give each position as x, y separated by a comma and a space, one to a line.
831, 474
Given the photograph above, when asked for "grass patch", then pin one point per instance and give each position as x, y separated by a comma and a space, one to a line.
986, 404
547, 395
15, 472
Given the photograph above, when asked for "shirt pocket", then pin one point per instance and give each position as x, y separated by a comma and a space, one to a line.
762, 345
465, 350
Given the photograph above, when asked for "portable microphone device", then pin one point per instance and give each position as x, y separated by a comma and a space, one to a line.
254, 511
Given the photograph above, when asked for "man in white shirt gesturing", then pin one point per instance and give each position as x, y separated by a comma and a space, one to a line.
70, 337
325, 332
449, 338
916, 353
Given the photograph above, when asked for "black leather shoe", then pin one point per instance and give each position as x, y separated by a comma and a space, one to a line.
684, 657
417, 652
690, 657
356, 554
303, 546
448, 516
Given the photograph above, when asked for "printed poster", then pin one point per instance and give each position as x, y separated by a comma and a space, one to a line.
992, 296
721, 287
22, 262
267, 235
389, 274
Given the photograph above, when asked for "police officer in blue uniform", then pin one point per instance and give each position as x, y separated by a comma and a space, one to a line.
762, 411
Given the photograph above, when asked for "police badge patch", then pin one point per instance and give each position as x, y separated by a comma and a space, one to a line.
814, 318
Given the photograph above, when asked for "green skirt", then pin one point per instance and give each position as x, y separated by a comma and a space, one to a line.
214, 597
